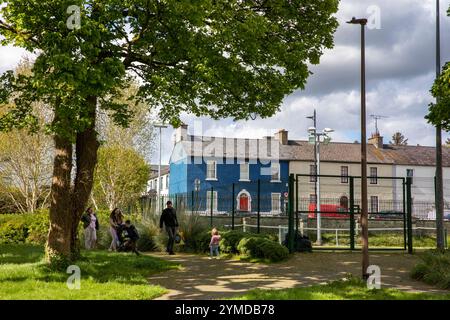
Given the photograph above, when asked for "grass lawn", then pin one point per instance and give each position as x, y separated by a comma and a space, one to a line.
104, 275
353, 289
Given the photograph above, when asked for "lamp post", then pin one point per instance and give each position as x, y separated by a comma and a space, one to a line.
439, 184
364, 205
160, 126
313, 134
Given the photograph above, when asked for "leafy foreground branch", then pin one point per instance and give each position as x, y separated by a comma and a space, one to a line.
348, 289
105, 276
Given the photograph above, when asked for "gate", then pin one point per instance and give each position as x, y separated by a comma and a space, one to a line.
326, 208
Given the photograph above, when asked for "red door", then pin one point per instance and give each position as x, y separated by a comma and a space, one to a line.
243, 202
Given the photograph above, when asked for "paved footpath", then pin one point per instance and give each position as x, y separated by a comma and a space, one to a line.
201, 278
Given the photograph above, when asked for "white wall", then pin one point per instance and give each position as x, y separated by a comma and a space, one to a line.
423, 181
153, 184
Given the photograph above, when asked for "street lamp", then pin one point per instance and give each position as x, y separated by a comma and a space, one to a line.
160, 126
364, 205
315, 138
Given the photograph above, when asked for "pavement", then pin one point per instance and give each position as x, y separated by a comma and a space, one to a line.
202, 278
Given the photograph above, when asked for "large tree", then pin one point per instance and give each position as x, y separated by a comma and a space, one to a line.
398, 139
218, 58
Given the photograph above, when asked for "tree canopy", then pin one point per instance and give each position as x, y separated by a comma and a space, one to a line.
216, 58
439, 112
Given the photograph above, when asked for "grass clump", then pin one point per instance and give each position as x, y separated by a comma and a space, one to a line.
434, 268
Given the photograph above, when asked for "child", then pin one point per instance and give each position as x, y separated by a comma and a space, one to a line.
214, 244
129, 236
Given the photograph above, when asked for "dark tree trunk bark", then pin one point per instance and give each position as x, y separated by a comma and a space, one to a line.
58, 243
67, 203
86, 158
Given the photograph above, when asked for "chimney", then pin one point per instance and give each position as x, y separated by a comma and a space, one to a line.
282, 136
376, 140
181, 133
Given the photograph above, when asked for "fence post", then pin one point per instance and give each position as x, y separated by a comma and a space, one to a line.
280, 234
352, 213
192, 202
212, 204
259, 207
409, 213
405, 239
291, 214
296, 207
244, 225
233, 208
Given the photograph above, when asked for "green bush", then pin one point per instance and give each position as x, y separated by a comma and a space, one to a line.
24, 228
262, 248
230, 240
147, 232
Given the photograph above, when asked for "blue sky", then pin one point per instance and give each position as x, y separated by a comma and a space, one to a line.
400, 72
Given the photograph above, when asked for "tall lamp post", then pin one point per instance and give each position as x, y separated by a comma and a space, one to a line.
315, 138
439, 185
364, 205
160, 126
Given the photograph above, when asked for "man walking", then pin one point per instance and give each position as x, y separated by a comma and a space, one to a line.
169, 219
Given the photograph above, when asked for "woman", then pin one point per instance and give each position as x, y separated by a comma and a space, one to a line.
115, 221
91, 225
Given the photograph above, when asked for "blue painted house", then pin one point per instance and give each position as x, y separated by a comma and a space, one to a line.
206, 169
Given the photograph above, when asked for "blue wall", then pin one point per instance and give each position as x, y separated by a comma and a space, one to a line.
183, 175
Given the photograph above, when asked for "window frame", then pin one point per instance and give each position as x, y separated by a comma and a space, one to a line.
373, 178
247, 178
278, 172
344, 178
278, 201
377, 204
208, 201
208, 163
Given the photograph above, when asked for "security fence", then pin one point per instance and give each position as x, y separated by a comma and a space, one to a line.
263, 207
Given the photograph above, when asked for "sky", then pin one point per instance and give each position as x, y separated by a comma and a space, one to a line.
400, 59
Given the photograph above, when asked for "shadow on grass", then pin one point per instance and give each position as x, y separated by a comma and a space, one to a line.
20, 253
23, 262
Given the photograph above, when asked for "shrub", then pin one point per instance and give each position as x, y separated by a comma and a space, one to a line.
262, 248
434, 269
147, 232
195, 233
230, 240
21, 228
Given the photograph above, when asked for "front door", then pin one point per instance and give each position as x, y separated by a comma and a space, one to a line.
243, 202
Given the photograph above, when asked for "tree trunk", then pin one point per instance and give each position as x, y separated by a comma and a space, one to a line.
58, 243
86, 159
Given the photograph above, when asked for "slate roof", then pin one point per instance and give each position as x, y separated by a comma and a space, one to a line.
303, 151
154, 170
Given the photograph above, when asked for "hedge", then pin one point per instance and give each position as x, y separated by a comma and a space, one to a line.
262, 248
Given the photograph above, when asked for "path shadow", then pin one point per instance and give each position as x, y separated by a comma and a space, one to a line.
201, 278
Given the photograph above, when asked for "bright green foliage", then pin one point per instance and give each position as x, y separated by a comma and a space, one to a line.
104, 275
262, 248
24, 228
218, 58
439, 112
120, 177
